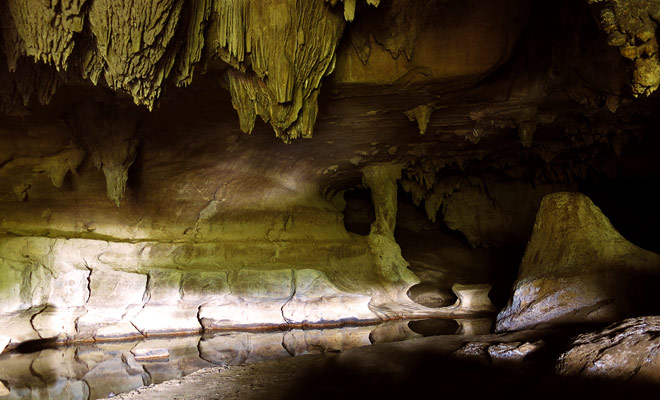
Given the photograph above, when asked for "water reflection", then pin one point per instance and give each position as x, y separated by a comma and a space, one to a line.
96, 370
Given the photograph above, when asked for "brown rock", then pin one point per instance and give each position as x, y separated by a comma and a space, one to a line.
507, 353
628, 350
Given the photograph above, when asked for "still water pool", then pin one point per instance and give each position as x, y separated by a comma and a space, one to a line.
99, 370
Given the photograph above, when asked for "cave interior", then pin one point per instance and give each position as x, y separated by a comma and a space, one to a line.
401, 189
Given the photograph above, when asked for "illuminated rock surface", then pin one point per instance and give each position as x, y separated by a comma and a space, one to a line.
577, 268
88, 370
625, 351
173, 167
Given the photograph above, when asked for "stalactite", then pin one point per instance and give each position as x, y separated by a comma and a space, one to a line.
109, 132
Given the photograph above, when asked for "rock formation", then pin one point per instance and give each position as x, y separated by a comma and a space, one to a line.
173, 166
626, 351
577, 268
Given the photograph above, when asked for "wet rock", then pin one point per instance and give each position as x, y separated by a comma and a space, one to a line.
243, 348
392, 331
515, 352
150, 354
117, 374
577, 268
298, 342
624, 351
55, 363
474, 326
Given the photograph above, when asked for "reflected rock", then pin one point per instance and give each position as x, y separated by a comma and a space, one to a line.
118, 374
242, 348
298, 342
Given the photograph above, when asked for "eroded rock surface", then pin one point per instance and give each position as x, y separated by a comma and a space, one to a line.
625, 351
476, 109
577, 268
631, 27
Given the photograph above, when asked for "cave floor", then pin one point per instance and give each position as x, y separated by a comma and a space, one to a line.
408, 369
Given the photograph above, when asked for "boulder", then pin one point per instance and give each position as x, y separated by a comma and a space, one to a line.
628, 350
516, 352
578, 269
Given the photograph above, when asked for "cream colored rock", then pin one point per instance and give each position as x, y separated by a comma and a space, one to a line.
17, 326
115, 296
257, 298
316, 300
163, 319
4, 390
298, 342
578, 268
57, 363
242, 348
165, 311
4, 341
53, 321
117, 374
472, 298
236, 312
114, 331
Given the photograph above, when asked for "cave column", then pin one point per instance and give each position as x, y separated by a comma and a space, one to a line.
382, 180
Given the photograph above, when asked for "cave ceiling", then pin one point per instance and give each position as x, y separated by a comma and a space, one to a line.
244, 105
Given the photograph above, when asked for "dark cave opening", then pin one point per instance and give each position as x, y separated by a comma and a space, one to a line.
440, 257
359, 211
631, 204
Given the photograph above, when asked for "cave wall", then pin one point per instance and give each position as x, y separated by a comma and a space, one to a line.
133, 166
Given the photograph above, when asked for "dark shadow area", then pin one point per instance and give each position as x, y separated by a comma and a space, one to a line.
506, 261
631, 204
425, 373
33, 346
434, 327
135, 174
359, 212
440, 257
429, 294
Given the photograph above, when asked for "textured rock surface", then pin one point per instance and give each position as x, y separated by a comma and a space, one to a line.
82, 288
625, 351
501, 354
631, 27
577, 268
216, 228
94, 370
